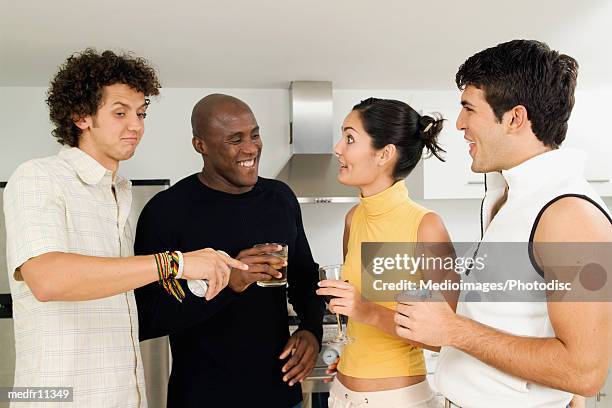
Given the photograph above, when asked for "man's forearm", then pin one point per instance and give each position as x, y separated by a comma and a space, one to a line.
544, 361
58, 276
310, 312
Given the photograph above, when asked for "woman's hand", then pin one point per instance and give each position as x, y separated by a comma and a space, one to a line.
331, 369
346, 299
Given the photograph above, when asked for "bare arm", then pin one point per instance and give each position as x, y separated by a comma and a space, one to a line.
431, 230
347, 231
63, 276
563, 362
39, 251
435, 242
577, 358
349, 303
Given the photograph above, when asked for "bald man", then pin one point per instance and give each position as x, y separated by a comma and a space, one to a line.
235, 350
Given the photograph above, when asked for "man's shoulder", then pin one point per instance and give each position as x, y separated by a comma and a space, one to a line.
184, 185
277, 186
174, 195
574, 219
42, 164
44, 168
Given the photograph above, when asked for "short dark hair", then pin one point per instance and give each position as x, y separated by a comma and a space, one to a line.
388, 121
528, 73
76, 90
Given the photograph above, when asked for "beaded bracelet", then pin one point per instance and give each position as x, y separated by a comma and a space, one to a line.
181, 265
168, 266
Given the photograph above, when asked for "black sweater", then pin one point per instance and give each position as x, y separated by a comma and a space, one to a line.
225, 351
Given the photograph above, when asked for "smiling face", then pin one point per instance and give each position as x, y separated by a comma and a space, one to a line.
360, 164
231, 147
489, 144
112, 134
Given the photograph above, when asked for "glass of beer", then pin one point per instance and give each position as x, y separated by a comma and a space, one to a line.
334, 272
283, 254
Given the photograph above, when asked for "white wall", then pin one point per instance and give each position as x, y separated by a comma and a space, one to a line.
24, 127
166, 151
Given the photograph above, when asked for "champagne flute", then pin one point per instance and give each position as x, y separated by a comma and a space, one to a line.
333, 272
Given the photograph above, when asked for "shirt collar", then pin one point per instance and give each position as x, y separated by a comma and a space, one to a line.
545, 168
532, 175
89, 170
385, 201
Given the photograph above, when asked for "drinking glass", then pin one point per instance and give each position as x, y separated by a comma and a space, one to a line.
283, 254
333, 272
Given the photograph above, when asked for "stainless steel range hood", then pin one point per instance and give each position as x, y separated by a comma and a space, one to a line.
312, 169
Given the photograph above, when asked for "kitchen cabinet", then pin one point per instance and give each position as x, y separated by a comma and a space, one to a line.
453, 178
588, 130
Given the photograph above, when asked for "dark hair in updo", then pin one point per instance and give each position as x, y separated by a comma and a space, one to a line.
393, 122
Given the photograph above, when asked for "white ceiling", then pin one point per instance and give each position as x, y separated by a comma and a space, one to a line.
404, 44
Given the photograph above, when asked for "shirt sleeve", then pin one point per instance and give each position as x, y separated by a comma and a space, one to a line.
303, 281
160, 314
35, 214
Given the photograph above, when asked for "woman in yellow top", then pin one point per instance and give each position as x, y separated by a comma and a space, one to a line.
382, 142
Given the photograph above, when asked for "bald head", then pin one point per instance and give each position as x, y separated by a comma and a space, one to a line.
226, 135
215, 108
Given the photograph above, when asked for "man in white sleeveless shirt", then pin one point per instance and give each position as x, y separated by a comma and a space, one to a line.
517, 98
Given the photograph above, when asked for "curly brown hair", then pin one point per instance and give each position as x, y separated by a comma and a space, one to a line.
76, 90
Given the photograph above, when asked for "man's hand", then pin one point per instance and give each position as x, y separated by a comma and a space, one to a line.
262, 267
430, 321
303, 348
213, 266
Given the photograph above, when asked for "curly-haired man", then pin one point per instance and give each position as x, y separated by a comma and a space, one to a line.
70, 245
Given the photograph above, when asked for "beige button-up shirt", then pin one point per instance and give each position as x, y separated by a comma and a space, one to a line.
65, 203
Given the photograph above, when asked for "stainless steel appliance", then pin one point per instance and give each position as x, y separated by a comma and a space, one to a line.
315, 391
155, 352
312, 170
7, 355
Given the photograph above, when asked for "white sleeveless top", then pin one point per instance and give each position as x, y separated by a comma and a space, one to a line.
532, 185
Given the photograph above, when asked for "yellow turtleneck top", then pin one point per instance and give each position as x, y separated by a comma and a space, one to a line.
389, 216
